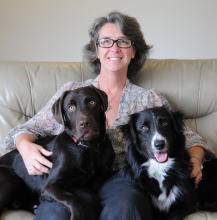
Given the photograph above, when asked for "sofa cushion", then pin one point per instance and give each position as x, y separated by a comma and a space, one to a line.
189, 85
202, 216
17, 215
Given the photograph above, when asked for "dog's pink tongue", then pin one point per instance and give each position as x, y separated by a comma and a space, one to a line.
161, 157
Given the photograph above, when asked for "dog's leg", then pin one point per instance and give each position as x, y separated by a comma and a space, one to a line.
207, 192
68, 199
12, 190
7, 187
7, 159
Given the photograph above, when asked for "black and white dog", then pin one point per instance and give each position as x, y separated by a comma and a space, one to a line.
158, 161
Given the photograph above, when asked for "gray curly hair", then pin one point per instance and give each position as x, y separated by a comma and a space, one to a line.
130, 28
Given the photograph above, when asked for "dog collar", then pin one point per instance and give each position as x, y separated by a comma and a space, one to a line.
82, 144
79, 143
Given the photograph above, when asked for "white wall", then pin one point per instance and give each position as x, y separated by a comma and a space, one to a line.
56, 30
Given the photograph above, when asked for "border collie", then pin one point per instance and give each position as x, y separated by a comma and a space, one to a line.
158, 161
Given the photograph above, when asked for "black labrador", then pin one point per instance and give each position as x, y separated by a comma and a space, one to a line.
82, 158
159, 163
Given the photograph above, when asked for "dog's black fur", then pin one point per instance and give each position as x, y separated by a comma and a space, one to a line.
158, 161
82, 157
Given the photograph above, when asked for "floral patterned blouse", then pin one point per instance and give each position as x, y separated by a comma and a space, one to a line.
134, 99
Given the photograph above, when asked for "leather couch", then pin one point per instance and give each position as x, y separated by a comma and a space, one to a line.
189, 85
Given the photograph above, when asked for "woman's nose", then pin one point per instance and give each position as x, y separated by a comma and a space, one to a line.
115, 46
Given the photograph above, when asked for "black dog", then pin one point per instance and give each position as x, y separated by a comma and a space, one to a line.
159, 163
82, 157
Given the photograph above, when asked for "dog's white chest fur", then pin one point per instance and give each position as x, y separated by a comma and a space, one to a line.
159, 172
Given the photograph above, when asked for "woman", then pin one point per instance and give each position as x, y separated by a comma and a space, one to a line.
116, 51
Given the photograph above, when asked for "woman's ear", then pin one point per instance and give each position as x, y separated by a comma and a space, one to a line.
97, 52
133, 54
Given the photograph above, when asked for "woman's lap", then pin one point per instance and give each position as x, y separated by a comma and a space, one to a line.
123, 200
87, 205
51, 210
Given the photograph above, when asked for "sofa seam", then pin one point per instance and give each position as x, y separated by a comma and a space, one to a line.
82, 74
199, 96
26, 67
14, 110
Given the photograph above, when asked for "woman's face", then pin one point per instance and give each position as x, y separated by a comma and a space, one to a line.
114, 59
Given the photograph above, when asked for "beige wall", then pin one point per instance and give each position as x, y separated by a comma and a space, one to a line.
56, 30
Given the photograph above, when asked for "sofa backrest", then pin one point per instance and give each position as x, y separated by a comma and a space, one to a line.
189, 85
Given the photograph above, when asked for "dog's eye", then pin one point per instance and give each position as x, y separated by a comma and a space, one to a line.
145, 128
72, 108
92, 103
163, 123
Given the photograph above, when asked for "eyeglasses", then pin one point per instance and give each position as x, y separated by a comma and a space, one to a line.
107, 43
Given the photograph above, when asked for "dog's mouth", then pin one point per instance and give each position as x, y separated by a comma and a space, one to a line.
88, 135
161, 156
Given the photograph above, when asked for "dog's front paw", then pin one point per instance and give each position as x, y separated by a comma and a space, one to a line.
45, 196
76, 215
76, 211
49, 199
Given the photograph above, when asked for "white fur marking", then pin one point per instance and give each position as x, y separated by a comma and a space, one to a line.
159, 172
157, 136
163, 202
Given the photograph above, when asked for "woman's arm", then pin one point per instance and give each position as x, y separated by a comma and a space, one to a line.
33, 155
197, 154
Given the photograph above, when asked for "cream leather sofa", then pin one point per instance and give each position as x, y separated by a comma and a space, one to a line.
190, 86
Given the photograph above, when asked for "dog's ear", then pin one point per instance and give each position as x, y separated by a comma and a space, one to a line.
177, 119
57, 109
132, 125
129, 130
103, 97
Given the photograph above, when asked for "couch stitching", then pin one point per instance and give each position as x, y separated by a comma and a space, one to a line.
14, 110
30, 84
59, 70
180, 87
82, 74
151, 73
199, 96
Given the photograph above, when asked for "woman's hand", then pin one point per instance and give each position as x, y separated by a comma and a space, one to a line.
197, 156
196, 172
33, 155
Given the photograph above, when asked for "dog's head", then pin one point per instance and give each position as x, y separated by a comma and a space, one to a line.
82, 112
156, 133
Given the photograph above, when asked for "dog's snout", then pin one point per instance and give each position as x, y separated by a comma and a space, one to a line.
84, 123
159, 144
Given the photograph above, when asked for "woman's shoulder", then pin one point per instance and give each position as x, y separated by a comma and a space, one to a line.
73, 84
138, 98
139, 91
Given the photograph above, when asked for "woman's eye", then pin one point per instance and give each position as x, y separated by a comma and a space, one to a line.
72, 108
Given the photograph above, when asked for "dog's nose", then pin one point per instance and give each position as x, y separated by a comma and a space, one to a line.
84, 123
159, 144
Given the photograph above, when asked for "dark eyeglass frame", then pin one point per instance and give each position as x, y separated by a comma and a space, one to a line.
113, 42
